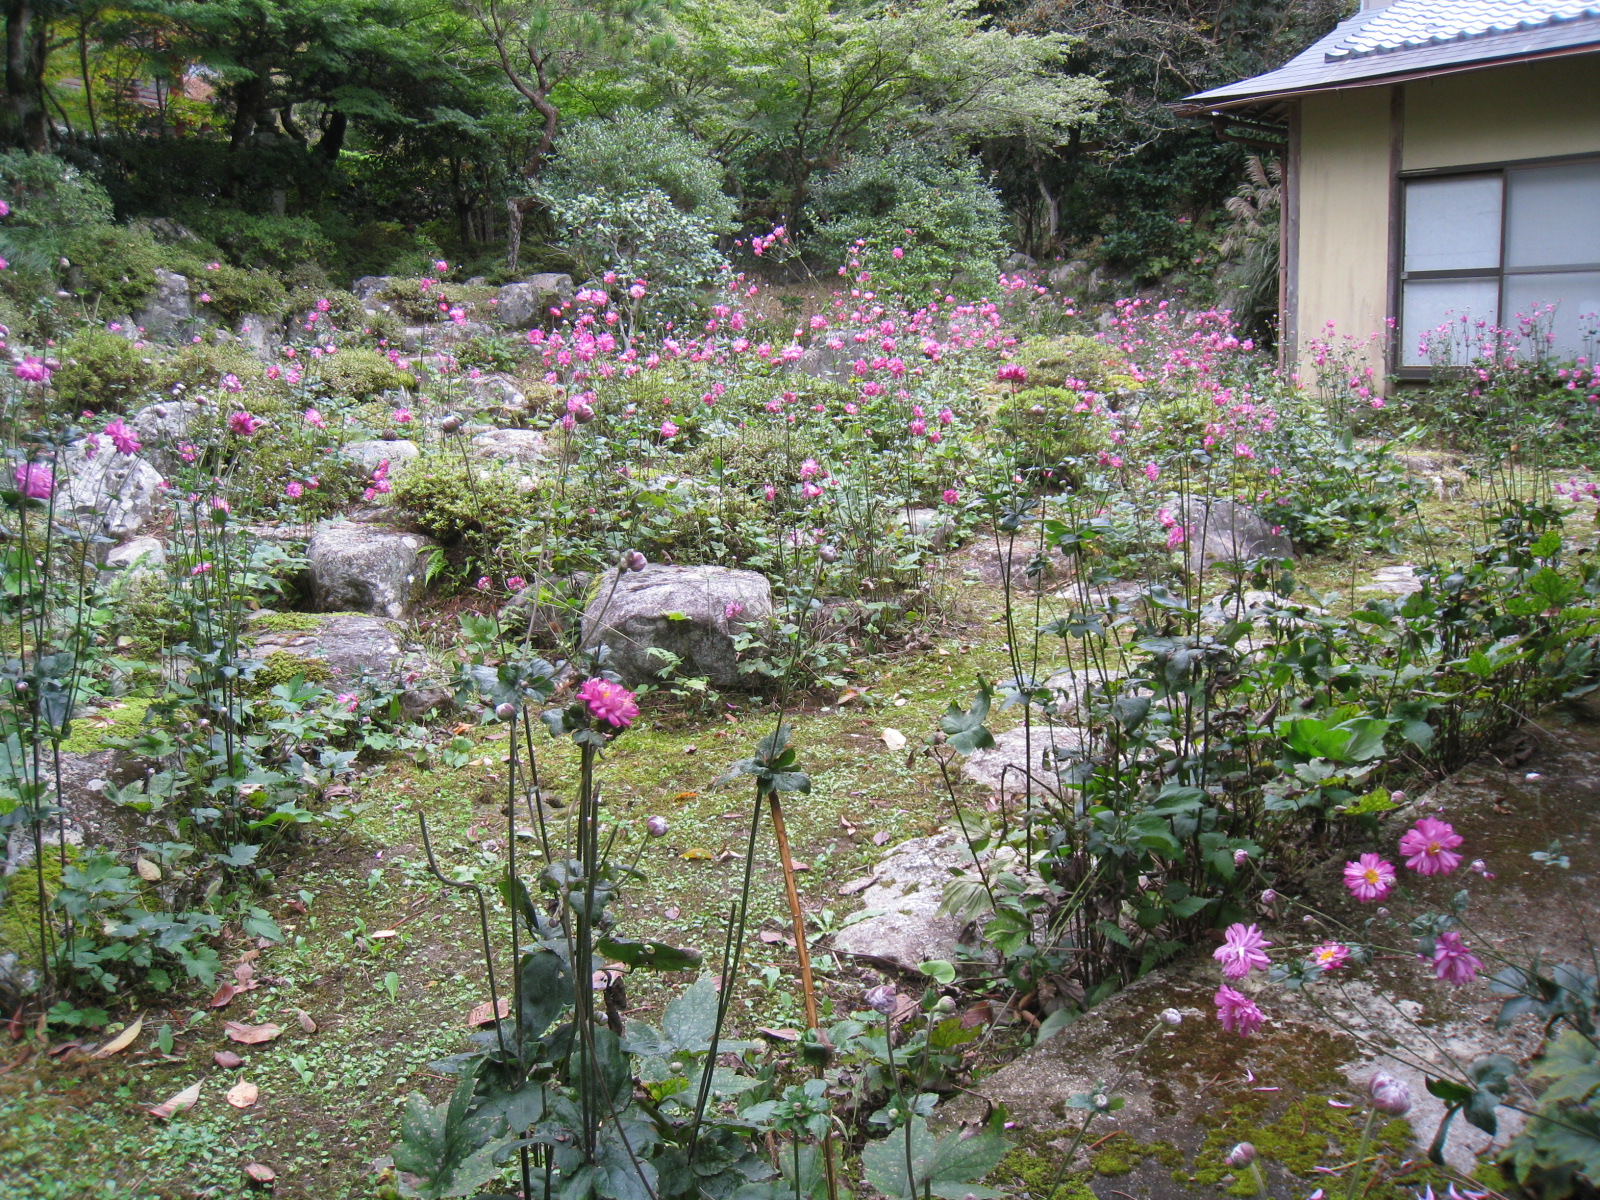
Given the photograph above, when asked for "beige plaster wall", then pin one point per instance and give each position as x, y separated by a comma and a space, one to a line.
1535, 110
1344, 190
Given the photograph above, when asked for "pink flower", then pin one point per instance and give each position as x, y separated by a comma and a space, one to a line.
1237, 1012
1152, 472
1429, 847
200, 568
1012, 373
32, 370
1330, 956
1453, 962
314, 419
1242, 950
323, 305
1369, 878
230, 383
951, 496
348, 699
733, 610
243, 424
515, 583
5, 209
1176, 536
637, 291
293, 490
402, 415
441, 266
483, 584
609, 702
771, 492
668, 431
35, 480
123, 437
809, 469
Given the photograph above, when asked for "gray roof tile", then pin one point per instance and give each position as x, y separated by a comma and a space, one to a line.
1416, 36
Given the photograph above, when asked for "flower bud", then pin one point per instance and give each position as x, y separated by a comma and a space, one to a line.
1037, 410
583, 414
1101, 1100
1241, 1155
1240, 857
656, 826
505, 711
1172, 1016
946, 1004
450, 424
881, 999
1389, 1095
1398, 796
1269, 897
828, 554
632, 560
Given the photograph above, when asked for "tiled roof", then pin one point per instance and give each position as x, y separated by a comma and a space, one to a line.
1409, 24
1412, 37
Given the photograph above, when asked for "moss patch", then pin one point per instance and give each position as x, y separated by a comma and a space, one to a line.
120, 720
281, 666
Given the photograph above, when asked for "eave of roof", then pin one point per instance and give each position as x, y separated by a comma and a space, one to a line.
1327, 66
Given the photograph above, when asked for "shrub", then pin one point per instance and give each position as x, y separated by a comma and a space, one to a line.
112, 267
101, 370
49, 199
234, 291
643, 236
269, 241
1046, 431
357, 374
958, 227
634, 152
384, 248
442, 501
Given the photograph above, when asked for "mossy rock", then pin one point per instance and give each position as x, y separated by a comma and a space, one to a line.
281, 666
1073, 359
90, 731
357, 374
103, 371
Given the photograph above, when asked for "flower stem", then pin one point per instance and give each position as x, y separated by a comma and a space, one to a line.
1361, 1154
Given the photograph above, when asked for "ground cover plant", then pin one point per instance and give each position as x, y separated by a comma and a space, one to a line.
363, 840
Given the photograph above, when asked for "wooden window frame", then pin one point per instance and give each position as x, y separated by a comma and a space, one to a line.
1399, 276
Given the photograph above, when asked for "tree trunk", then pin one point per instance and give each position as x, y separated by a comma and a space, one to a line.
332, 140
248, 98
25, 53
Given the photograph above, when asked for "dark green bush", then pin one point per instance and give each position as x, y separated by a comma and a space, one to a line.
357, 374
270, 241
113, 268
441, 500
101, 370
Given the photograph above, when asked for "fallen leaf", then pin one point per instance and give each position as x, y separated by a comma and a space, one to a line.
696, 854
779, 1035
690, 749
306, 1023
800, 866
671, 914
243, 1094
260, 1172
682, 796
858, 885
246, 969
847, 696
59, 1051
893, 739
484, 1013
177, 1104
772, 937
881, 837
227, 1059
251, 1035
296, 906
728, 854
148, 871
225, 992
978, 1014
385, 933
121, 1042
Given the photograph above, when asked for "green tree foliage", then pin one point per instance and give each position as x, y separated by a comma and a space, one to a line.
935, 207
784, 89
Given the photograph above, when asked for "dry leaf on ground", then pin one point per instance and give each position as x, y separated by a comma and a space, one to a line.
184, 1099
251, 1035
121, 1042
260, 1172
148, 871
696, 854
894, 739
306, 1023
225, 992
227, 1058
243, 1094
484, 1013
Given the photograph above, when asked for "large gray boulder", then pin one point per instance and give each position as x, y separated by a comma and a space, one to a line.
369, 286
903, 927
355, 650
263, 336
110, 493
521, 446
162, 428
1225, 531
1025, 761
360, 568
141, 552
694, 613
370, 455
525, 305
825, 361
168, 315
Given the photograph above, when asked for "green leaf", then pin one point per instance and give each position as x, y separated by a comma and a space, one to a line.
691, 1018
1572, 1065
1055, 1023
544, 990
655, 956
450, 1152
948, 1167
939, 970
